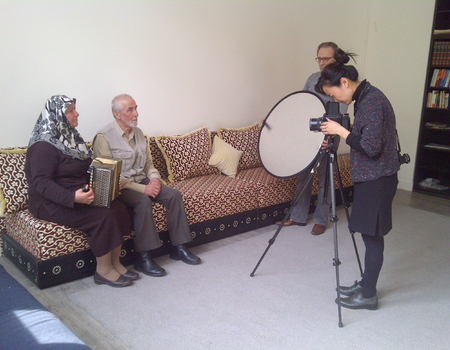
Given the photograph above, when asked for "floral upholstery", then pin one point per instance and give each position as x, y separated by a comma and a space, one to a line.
43, 239
271, 190
214, 196
246, 140
13, 184
158, 158
187, 155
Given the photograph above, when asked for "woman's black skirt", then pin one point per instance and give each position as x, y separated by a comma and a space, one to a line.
372, 206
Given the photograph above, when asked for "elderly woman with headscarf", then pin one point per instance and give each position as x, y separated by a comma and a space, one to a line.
56, 167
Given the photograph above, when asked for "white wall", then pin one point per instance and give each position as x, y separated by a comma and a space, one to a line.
398, 43
197, 62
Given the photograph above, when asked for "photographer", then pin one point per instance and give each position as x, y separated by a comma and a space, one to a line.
374, 164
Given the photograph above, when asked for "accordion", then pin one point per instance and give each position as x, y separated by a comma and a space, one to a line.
104, 175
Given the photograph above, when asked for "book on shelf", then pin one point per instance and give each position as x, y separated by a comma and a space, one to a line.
440, 78
441, 53
438, 99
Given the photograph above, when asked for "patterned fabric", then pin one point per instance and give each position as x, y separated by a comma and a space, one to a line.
246, 140
271, 190
2, 228
158, 158
214, 196
344, 170
13, 183
43, 239
53, 127
187, 155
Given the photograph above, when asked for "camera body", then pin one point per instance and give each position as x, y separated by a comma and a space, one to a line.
332, 113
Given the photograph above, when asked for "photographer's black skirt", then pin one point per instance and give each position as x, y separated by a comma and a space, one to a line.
372, 206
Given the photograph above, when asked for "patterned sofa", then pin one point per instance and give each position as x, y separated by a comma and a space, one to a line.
216, 205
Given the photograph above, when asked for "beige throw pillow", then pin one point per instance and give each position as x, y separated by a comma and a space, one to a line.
224, 157
244, 139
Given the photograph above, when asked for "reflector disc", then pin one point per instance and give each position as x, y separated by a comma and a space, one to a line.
286, 145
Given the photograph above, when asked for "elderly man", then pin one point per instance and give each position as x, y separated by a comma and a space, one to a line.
141, 187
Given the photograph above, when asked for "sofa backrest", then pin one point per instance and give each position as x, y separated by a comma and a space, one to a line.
158, 158
13, 183
14, 187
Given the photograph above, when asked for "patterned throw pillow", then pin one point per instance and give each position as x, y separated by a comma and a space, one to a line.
187, 155
13, 184
246, 140
224, 157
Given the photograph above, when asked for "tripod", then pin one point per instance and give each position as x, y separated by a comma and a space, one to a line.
330, 155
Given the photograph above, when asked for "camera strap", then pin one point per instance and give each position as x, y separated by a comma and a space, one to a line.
399, 149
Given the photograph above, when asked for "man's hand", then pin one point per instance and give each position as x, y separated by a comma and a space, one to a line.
153, 188
84, 197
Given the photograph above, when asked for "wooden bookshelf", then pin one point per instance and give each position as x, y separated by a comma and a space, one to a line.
433, 149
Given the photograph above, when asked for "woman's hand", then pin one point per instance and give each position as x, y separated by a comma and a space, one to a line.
325, 142
84, 197
331, 127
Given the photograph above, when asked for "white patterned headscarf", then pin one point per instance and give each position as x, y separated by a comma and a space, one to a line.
53, 127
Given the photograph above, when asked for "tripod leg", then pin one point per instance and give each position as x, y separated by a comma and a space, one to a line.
346, 206
286, 217
334, 219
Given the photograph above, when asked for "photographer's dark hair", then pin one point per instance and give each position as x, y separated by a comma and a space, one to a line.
332, 73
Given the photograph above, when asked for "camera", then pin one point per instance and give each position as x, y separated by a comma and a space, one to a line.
332, 113
403, 158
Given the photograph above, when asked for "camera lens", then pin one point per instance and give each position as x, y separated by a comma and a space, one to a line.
314, 124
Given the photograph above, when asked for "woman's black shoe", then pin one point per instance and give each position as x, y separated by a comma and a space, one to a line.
357, 301
121, 281
348, 291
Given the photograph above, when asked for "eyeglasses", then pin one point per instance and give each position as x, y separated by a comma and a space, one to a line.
323, 59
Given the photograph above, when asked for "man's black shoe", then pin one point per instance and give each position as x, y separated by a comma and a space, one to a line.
181, 252
145, 263
357, 301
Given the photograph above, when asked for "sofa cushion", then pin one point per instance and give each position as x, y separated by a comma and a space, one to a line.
44, 239
187, 155
224, 157
271, 190
13, 184
246, 140
215, 196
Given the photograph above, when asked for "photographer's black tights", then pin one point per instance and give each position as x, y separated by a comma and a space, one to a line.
373, 261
